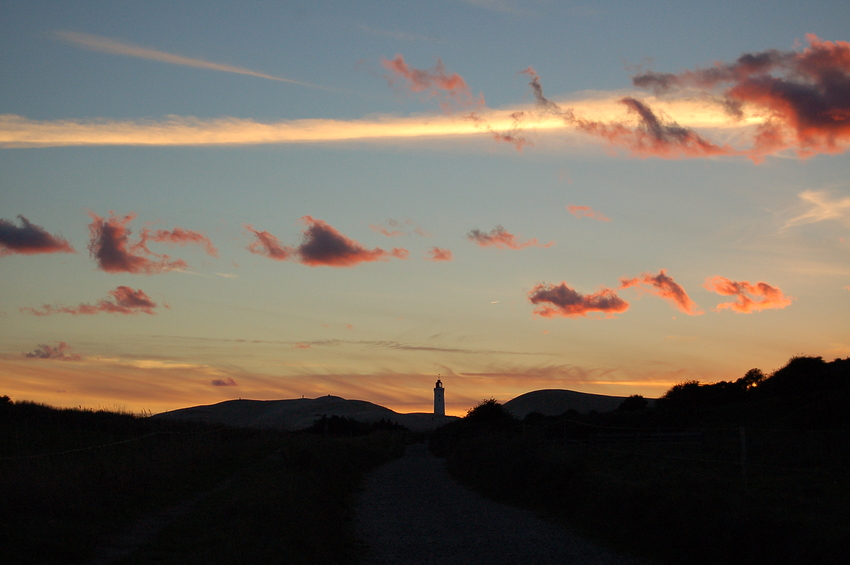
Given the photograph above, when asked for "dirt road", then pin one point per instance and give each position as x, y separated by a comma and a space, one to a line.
412, 512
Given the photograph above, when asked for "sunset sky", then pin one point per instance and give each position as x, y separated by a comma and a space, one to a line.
217, 200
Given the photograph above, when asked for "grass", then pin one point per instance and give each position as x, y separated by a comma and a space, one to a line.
675, 503
74, 479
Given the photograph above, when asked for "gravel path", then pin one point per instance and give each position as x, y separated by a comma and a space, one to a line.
412, 512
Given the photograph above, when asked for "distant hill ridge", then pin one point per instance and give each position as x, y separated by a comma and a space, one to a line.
301, 413
554, 402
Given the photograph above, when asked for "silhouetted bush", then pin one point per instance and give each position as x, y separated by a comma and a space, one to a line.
634, 403
744, 472
72, 479
340, 426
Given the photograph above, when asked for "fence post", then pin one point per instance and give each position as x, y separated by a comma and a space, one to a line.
744, 456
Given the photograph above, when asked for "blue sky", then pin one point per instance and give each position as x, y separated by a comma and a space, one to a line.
611, 257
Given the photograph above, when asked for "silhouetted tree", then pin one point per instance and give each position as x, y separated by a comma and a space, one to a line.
634, 403
489, 411
751, 379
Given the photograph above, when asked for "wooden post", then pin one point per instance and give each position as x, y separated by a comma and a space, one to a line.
744, 455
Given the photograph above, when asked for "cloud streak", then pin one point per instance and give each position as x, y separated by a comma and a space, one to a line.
664, 286
174, 131
321, 245
561, 300
501, 238
773, 101
113, 47
750, 297
125, 300
29, 239
822, 207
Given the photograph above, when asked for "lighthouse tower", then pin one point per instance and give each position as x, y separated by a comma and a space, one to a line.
439, 399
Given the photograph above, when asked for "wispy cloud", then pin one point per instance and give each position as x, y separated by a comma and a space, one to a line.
114, 47
395, 228
502, 238
321, 245
586, 212
29, 239
822, 206
181, 236
125, 300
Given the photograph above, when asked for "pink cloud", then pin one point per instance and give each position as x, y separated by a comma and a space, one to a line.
439, 254
501, 238
61, 352
321, 245
269, 246
449, 89
586, 212
664, 286
561, 300
125, 300
113, 251
29, 239
750, 297
806, 94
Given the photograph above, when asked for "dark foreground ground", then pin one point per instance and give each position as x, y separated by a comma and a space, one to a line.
411, 511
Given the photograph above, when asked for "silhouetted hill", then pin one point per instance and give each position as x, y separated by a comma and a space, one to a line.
554, 402
300, 413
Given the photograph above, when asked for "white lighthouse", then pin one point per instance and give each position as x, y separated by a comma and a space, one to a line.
439, 399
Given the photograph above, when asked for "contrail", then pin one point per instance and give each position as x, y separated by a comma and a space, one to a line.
97, 43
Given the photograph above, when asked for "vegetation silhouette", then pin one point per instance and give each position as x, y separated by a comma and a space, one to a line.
745, 472
72, 482
341, 426
749, 471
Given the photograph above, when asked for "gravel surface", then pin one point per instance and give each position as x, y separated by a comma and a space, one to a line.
412, 512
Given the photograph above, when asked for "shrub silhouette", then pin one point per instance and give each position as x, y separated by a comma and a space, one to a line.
490, 412
634, 403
